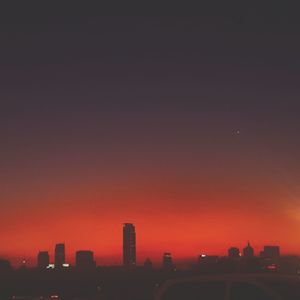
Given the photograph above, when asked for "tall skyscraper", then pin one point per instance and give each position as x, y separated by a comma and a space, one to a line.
129, 245
43, 259
248, 251
85, 259
59, 255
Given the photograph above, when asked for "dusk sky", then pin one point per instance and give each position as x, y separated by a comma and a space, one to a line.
187, 127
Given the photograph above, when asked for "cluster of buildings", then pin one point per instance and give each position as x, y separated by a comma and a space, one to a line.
269, 252
85, 258
269, 259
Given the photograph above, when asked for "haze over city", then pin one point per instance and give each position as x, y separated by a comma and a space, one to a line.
187, 127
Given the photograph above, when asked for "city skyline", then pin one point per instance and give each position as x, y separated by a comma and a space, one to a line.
186, 126
128, 258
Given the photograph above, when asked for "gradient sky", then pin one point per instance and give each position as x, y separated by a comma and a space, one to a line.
186, 126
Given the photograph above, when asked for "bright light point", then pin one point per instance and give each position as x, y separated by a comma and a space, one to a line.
51, 266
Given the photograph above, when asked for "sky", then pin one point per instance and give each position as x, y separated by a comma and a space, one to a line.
186, 126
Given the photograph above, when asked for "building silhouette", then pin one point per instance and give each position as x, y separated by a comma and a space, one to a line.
60, 259
5, 265
248, 251
208, 263
167, 261
233, 252
129, 245
270, 252
43, 259
85, 259
148, 264
208, 259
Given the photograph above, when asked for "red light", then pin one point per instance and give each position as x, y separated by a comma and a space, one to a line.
271, 267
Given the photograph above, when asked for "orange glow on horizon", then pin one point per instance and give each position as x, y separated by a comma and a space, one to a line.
184, 230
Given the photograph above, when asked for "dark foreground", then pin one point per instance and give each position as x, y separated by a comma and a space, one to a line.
101, 283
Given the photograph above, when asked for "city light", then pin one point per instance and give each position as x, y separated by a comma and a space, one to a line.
51, 266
